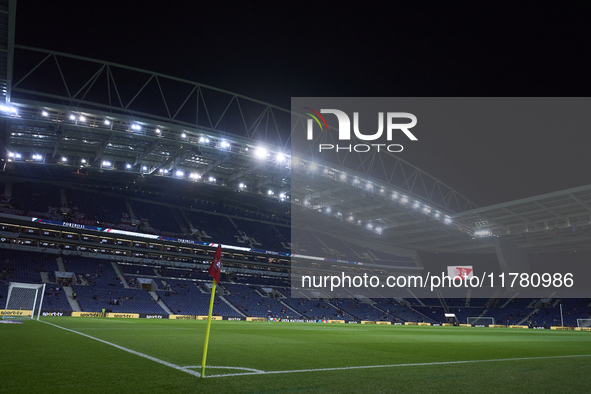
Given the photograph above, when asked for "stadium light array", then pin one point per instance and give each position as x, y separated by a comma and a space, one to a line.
128, 166
107, 122
64, 159
8, 109
224, 144
483, 233
184, 135
83, 161
241, 185
82, 118
44, 113
343, 176
260, 153
158, 131
144, 168
136, 127
106, 163
179, 173
328, 210
72, 117
313, 166
37, 157
280, 157
447, 220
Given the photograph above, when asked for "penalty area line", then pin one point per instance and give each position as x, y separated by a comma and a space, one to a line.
157, 360
398, 365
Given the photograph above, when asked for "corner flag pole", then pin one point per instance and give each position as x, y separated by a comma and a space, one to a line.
214, 270
207, 330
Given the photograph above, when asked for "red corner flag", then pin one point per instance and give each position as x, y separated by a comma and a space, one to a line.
216, 265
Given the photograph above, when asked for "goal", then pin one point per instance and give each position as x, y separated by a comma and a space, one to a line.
583, 323
24, 300
481, 321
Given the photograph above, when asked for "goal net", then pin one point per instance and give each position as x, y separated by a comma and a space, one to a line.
481, 321
583, 323
24, 300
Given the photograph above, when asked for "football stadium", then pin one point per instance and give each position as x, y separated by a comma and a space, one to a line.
162, 234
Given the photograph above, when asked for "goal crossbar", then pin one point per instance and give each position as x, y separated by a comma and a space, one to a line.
480, 319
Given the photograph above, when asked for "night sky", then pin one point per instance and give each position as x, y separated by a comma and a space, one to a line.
271, 53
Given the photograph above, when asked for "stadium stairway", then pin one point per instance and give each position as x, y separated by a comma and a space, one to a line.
73, 303
221, 297
525, 319
60, 264
290, 308
45, 277
119, 274
161, 303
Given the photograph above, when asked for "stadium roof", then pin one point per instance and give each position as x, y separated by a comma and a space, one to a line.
96, 117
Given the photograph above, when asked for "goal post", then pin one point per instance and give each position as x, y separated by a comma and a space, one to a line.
24, 300
481, 321
583, 323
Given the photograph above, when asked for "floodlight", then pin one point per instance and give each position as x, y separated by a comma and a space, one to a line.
183, 135
313, 166
158, 131
128, 166
44, 113
106, 163
260, 153
280, 157
107, 122
179, 173
72, 117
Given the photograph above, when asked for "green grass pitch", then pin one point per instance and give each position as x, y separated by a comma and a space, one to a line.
39, 357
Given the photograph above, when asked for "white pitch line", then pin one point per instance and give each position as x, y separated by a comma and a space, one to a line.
396, 365
240, 368
171, 365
